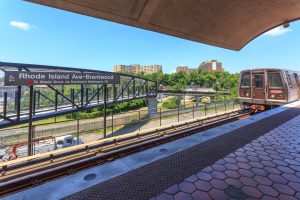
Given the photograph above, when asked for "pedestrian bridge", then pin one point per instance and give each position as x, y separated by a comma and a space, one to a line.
37, 101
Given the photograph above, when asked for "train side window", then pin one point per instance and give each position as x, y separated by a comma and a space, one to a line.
246, 80
289, 80
297, 80
274, 80
258, 81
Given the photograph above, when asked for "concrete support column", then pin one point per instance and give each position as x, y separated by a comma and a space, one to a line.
179, 100
160, 96
152, 106
197, 100
212, 99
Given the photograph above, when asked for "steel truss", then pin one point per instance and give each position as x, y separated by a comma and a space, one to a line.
86, 97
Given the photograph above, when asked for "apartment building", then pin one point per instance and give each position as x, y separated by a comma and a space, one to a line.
211, 66
186, 69
138, 69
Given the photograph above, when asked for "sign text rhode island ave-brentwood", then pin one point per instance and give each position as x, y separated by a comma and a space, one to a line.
57, 78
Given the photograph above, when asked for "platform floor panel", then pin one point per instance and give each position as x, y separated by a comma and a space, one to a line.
266, 168
150, 180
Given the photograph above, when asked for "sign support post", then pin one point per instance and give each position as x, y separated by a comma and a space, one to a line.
30, 120
104, 111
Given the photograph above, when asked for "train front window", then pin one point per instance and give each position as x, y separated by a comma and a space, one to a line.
274, 80
258, 81
245, 80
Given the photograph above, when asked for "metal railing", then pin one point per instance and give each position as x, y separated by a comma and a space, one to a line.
87, 130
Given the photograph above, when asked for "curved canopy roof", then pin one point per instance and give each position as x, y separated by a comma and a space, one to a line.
225, 23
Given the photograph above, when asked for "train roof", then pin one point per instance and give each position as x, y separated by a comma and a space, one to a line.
271, 69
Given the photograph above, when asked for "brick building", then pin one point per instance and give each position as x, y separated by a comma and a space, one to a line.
186, 69
211, 66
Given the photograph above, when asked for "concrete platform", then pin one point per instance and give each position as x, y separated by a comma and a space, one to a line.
266, 168
149, 173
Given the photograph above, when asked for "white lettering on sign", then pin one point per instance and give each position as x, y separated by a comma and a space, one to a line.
76, 76
31, 76
49, 78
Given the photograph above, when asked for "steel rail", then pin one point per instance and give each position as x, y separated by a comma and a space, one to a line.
34, 172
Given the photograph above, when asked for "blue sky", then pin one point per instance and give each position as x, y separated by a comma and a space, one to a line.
31, 33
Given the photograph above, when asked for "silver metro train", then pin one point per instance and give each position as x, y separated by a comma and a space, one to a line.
264, 88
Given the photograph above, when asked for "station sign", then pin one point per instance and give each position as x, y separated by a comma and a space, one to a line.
58, 78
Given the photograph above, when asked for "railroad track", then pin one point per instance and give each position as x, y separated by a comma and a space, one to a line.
32, 172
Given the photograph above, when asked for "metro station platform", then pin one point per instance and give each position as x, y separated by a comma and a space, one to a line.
253, 158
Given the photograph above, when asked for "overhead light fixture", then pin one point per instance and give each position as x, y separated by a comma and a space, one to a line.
286, 25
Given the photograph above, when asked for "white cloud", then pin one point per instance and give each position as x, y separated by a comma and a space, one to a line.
277, 31
21, 25
170, 55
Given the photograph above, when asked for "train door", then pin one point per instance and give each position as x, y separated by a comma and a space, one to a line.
258, 85
298, 83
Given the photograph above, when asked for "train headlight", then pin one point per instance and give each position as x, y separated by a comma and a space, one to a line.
247, 94
272, 96
279, 96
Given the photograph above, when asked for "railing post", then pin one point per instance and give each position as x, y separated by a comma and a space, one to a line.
133, 87
225, 104
77, 131
178, 117
204, 109
18, 107
39, 99
104, 111
5, 104
34, 101
193, 111
114, 92
16, 100
216, 111
63, 92
73, 97
112, 123
139, 120
81, 95
56, 100
19, 93
98, 95
33, 137
159, 116
86, 95
30, 129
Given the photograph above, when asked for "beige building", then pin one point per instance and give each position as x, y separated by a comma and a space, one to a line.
211, 66
138, 69
186, 69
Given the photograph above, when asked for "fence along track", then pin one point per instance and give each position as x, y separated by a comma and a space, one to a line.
31, 172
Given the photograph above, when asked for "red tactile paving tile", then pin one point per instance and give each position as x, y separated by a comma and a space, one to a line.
267, 190
252, 192
203, 185
187, 187
266, 168
172, 190
182, 196
201, 195
164, 196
